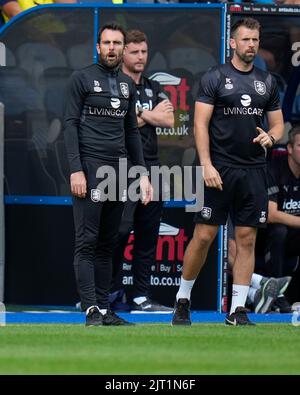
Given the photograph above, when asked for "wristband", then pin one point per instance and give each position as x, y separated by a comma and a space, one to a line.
272, 139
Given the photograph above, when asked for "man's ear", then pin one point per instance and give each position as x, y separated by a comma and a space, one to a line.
98, 48
232, 43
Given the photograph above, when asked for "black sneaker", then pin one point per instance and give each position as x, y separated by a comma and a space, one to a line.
182, 312
265, 296
239, 317
93, 317
283, 283
149, 306
282, 305
111, 318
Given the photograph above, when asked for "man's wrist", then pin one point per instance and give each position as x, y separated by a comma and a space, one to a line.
272, 138
140, 111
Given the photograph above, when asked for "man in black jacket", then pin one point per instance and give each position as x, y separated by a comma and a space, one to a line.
153, 109
100, 127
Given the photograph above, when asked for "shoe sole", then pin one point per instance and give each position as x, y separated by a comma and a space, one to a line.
235, 323
266, 302
231, 324
227, 322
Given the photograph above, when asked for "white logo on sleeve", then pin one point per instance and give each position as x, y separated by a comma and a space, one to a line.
246, 100
260, 87
115, 103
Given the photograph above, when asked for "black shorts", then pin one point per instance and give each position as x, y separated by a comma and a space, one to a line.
244, 196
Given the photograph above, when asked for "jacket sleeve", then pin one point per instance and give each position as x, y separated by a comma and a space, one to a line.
133, 139
73, 105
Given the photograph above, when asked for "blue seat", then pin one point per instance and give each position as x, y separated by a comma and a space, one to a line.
16, 92
53, 81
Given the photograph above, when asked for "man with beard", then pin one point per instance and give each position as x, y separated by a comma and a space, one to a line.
153, 109
229, 114
100, 127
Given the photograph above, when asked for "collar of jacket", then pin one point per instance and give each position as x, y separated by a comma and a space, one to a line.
142, 81
109, 70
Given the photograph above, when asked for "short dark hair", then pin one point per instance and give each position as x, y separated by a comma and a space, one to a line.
135, 36
292, 134
249, 23
111, 26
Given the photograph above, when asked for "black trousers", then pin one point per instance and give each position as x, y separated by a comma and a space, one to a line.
96, 234
144, 221
281, 243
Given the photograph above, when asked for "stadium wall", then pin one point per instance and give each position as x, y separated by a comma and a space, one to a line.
43, 46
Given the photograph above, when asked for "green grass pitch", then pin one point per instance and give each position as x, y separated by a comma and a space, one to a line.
150, 349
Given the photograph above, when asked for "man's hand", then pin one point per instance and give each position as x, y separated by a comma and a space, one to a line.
78, 184
212, 177
162, 115
146, 190
140, 122
164, 106
263, 138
